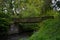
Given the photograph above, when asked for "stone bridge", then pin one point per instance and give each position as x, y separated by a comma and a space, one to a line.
15, 28
32, 19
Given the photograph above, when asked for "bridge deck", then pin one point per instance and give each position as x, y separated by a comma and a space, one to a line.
32, 19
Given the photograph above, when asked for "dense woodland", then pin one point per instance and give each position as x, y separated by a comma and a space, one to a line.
48, 29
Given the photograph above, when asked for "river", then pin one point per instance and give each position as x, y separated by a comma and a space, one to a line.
23, 36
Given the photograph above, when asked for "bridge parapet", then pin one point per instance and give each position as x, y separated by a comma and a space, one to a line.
32, 19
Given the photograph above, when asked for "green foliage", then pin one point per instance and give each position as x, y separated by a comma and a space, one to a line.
5, 17
35, 8
49, 30
5, 21
32, 8
52, 13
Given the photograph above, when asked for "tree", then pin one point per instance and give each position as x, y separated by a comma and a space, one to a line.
5, 19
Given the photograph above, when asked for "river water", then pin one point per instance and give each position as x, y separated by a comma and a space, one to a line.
23, 36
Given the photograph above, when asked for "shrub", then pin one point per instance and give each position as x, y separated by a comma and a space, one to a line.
5, 20
50, 30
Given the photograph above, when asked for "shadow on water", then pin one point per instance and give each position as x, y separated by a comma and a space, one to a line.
16, 36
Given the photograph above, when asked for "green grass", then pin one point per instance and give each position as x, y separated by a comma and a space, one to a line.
50, 30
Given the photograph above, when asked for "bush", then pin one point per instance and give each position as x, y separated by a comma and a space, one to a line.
50, 30
5, 20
